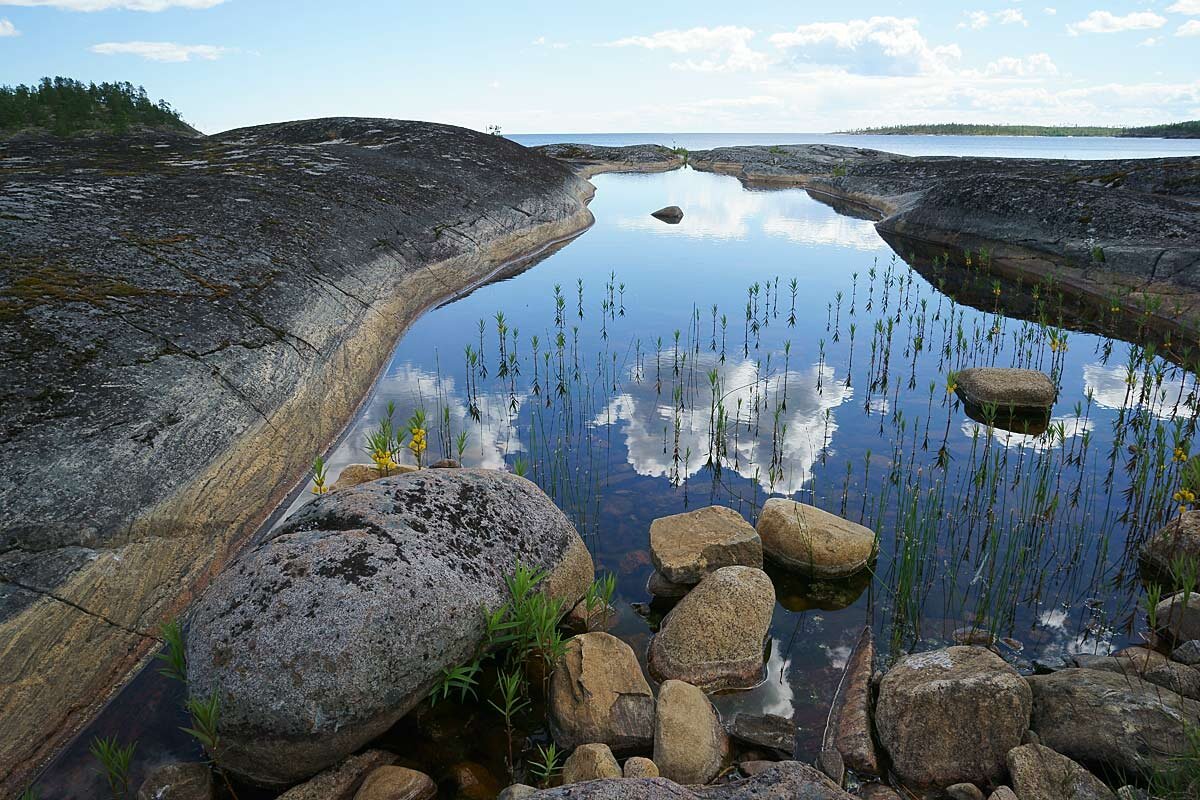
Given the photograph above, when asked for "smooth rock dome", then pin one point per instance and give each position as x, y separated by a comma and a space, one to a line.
321, 636
1006, 387
805, 538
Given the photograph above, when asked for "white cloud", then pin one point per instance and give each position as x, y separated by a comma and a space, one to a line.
1049, 12
160, 51
1012, 16
875, 46
723, 49
1189, 28
977, 20
105, 5
8, 29
542, 41
1149, 41
1185, 7
1107, 22
1038, 64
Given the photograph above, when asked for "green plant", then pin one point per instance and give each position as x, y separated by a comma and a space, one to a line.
30, 793
416, 429
460, 445
547, 766
1098, 254
599, 595
115, 760
1150, 603
462, 679
512, 702
318, 477
520, 467
1177, 777
173, 656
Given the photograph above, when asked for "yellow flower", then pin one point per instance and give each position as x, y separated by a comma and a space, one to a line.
320, 488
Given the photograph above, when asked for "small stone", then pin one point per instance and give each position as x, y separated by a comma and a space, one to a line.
396, 783
474, 782
688, 547
178, 781
445, 463
830, 762
1029, 737
689, 742
756, 767
658, 586
590, 762
1133, 793
672, 215
1002, 793
518, 791
1039, 773
340, 782
1177, 619
964, 791
1188, 653
764, 730
877, 791
1006, 387
815, 542
639, 767
599, 695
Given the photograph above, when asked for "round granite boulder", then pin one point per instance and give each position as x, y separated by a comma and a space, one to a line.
714, 637
329, 629
951, 716
805, 538
1006, 387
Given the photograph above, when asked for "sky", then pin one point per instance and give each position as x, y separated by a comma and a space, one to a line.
698, 66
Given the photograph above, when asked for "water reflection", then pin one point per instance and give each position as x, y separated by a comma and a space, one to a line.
1120, 387
1056, 434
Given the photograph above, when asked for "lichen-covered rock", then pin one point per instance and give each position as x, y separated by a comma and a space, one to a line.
1179, 538
590, 762
598, 694
639, 767
1006, 387
786, 780
951, 716
1188, 653
178, 781
517, 791
714, 637
396, 783
687, 547
331, 628
1039, 773
1105, 718
818, 543
689, 743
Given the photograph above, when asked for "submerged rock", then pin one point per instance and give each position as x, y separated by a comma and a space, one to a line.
816, 542
343, 781
178, 781
1006, 388
687, 547
326, 632
764, 730
1104, 718
848, 728
672, 215
590, 762
951, 716
786, 780
714, 637
689, 743
397, 783
1039, 773
599, 695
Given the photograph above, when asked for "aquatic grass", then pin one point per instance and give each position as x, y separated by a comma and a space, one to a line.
115, 760
546, 767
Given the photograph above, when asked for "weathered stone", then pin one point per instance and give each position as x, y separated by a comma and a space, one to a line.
176, 781
1179, 538
341, 782
714, 637
1188, 653
785, 780
1179, 616
358, 474
877, 791
689, 742
848, 728
830, 762
639, 767
1002, 793
1039, 773
659, 586
1151, 666
271, 349
330, 629
590, 762
445, 463
804, 537
1006, 387
687, 547
950, 716
518, 791
580, 620
1130, 793
599, 695
764, 730
396, 783
670, 214
472, 781
1104, 718
964, 791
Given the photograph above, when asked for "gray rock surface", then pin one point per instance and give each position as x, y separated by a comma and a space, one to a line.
1188, 653
1151, 666
951, 716
1104, 718
593, 159
1179, 616
786, 780
687, 547
1039, 773
763, 730
322, 635
184, 323
342, 781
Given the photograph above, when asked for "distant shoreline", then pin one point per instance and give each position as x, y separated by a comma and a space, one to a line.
1178, 130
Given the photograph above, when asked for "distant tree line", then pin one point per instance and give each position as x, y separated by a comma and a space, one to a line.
1179, 130
66, 106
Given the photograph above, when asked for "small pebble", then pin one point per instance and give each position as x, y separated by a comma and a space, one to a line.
964, 791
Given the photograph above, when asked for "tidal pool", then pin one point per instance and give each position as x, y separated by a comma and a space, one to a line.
769, 346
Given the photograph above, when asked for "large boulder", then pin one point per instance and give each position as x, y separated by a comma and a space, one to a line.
1179, 616
714, 637
804, 537
599, 695
951, 716
1106, 718
787, 780
689, 742
322, 635
687, 547
1006, 387
1179, 538
1039, 773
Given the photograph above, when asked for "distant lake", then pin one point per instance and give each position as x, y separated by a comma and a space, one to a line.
1089, 147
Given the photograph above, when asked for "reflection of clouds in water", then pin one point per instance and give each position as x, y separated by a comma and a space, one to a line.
1110, 390
716, 210
1072, 426
776, 694
1092, 640
649, 424
839, 656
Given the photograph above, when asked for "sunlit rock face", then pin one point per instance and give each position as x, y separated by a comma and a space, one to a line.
806, 425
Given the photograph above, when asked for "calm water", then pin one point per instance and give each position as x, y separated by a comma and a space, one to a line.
1003, 146
834, 393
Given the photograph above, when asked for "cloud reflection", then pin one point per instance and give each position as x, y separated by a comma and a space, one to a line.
1111, 388
1056, 435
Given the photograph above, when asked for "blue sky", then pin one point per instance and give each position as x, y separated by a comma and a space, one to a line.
615, 67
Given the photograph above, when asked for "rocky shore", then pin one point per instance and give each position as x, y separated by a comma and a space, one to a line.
184, 323
1112, 230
